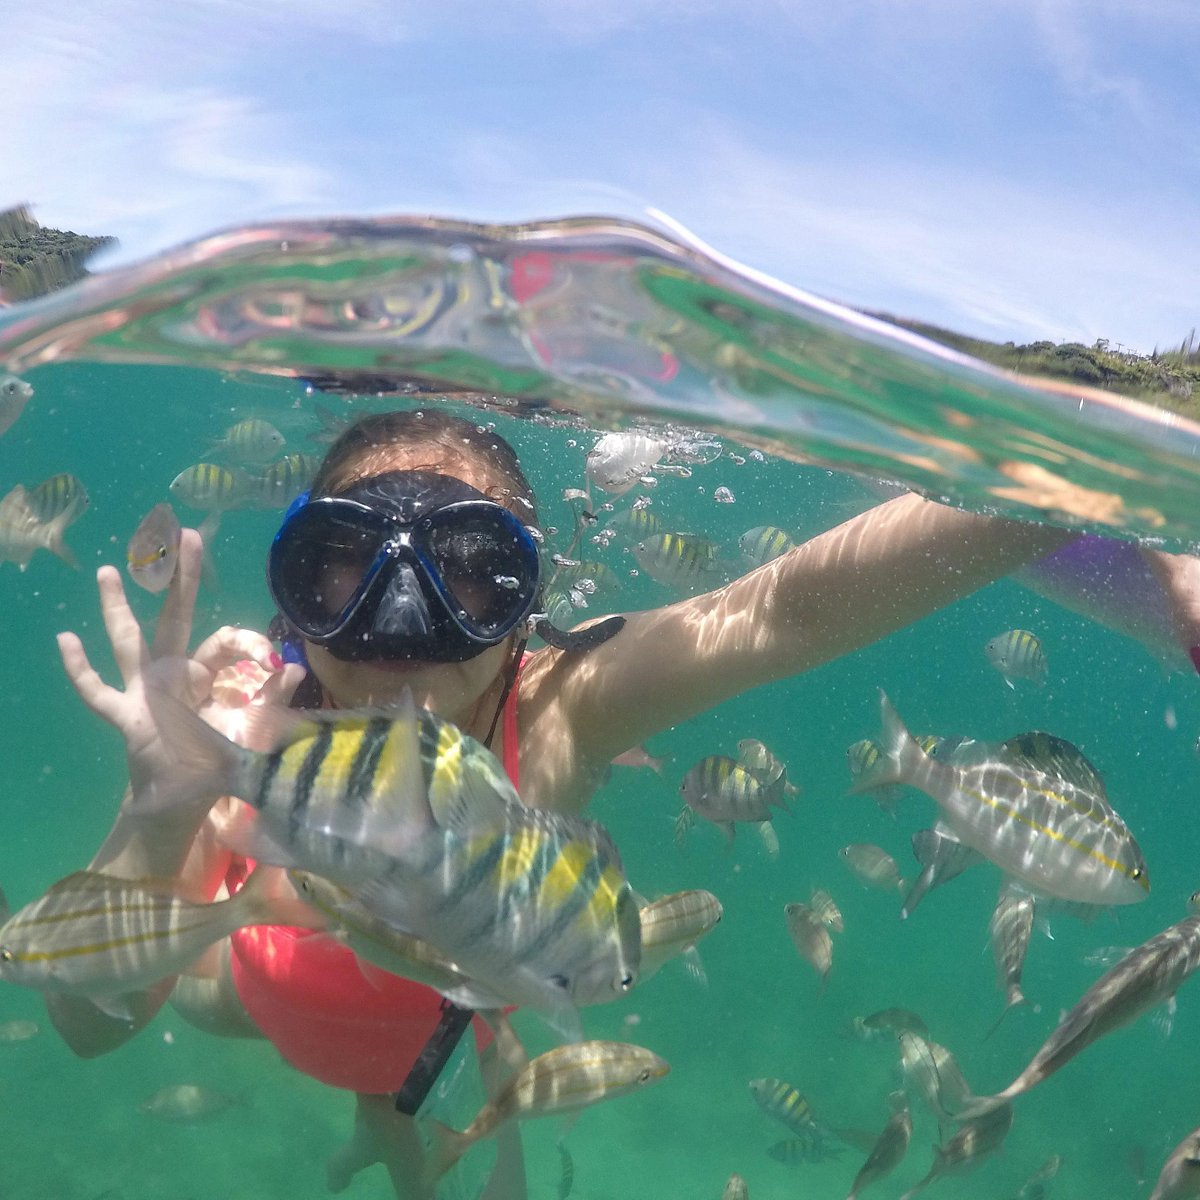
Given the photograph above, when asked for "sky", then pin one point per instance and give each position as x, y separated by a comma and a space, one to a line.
1016, 169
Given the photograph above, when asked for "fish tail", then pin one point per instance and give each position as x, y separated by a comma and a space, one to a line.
266, 898
975, 1107
209, 764
899, 754
1014, 998
448, 1147
56, 541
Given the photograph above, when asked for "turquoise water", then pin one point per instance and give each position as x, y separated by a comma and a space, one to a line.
72, 1129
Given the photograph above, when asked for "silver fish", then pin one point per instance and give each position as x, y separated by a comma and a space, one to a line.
862, 757
735, 1188
1018, 655
764, 544
187, 1103
888, 1022
872, 866
210, 488
60, 495
618, 460
942, 857
968, 1147
101, 937
756, 757
1059, 838
21, 533
15, 393
562, 1080
679, 560
935, 1073
887, 1152
811, 938
1147, 976
1180, 1176
250, 441
778, 1099
1010, 929
280, 483
153, 551
826, 910
673, 925
721, 790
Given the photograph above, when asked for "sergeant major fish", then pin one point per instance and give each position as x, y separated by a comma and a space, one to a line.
420, 821
250, 441
783, 1102
1058, 836
764, 544
60, 495
21, 533
1018, 655
679, 560
721, 790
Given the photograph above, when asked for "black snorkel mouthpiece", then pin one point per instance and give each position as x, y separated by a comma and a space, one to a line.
578, 641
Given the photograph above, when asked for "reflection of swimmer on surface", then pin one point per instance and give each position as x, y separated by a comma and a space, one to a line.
374, 618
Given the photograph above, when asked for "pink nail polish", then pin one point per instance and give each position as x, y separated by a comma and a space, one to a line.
277, 662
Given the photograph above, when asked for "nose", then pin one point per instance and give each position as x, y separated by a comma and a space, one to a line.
403, 610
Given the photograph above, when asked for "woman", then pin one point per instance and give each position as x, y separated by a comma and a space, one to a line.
374, 618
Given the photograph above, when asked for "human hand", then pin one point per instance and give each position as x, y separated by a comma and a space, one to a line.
162, 665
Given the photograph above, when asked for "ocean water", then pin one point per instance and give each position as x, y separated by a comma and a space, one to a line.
138, 372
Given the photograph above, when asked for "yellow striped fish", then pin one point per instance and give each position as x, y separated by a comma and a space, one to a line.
1059, 836
421, 823
679, 559
721, 790
280, 483
1018, 655
209, 487
636, 524
764, 543
250, 441
101, 937
783, 1102
59, 496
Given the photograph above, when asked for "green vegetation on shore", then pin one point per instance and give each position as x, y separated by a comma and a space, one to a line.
1169, 378
35, 260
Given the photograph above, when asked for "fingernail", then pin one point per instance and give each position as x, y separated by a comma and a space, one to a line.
276, 660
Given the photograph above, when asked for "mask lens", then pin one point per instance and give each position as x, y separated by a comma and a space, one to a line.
484, 564
321, 563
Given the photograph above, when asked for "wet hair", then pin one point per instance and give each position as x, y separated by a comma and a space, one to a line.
367, 448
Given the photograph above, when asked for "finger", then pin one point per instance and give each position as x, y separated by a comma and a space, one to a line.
175, 621
103, 700
281, 687
230, 644
124, 632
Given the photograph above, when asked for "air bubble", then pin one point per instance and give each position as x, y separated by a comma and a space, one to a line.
724, 496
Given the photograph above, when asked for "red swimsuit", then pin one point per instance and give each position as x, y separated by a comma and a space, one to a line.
307, 994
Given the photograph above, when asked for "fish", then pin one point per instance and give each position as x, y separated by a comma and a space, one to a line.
862, 757
18, 1030
15, 393
814, 1147
769, 838
282, 481
672, 926
1018, 656
209, 487
736, 1188
888, 1152
754, 756
57, 496
873, 866
1033, 1187
936, 1075
188, 1103
639, 756
564, 1079
764, 544
332, 425
826, 911
636, 524
384, 946
942, 857
1010, 929
888, 1022
1148, 975
21, 533
618, 460
679, 559
153, 551
251, 441
784, 1103
719, 789
811, 938
1180, 1175
586, 576
422, 823
973, 1142
1059, 838
101, 937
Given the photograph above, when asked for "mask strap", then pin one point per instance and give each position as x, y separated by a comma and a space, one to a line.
514, 669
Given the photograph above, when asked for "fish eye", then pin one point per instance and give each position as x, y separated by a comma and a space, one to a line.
626, 982
1136, 873
6, 955
161, 552
644, 1077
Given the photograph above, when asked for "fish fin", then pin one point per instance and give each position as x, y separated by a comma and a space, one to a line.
208, 529
55, 541
1164, 1019
118, 1007
1013, 1000
694, 965
975, 1107
898, 753
448, 1146
244, 835
210, 765
270, 900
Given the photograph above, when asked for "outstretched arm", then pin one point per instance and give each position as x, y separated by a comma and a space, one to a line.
841, 591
